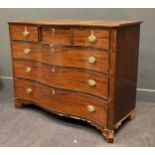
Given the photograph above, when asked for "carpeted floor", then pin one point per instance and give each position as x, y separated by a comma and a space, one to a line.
33, 126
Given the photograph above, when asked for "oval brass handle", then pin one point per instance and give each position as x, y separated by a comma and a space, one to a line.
26, 33
91, 82
27, 51
91, 60
28, 90
92, 38
28, 69
90, 108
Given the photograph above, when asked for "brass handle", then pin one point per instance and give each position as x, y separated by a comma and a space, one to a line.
90, 108
28, 90
27, 51
26, 33
91, 82
28, 69
92, 38
91, 60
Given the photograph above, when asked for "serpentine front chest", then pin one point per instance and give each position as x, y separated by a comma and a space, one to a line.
80, 69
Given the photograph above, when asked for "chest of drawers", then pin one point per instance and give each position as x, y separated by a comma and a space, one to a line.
80, 69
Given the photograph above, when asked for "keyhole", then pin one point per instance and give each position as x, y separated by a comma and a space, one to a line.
53, 69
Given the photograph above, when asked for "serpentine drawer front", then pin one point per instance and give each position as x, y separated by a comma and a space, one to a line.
63, 101
62, 77
85, 70
78, 57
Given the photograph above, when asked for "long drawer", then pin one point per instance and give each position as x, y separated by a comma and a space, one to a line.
62, 77
67, 102
97, 60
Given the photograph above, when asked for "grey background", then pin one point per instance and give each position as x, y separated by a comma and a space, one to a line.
146, 72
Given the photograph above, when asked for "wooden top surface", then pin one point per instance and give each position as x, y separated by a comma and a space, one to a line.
58, 22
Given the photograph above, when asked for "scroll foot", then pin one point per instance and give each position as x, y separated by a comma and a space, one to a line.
132, 116
108, 135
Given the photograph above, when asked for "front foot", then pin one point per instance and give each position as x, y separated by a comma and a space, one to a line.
20, 103
108, 135
132, 116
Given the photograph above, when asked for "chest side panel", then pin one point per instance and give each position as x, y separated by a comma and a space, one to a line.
126, 72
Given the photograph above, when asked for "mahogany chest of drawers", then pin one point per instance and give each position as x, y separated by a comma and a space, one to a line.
80, 69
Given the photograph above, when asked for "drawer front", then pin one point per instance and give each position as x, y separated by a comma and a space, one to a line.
97, 60
97, 37
24, 32
61, 77
67, 102
56, 35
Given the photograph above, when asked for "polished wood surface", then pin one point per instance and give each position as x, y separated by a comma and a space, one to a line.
80, 37
61, 77
126, 83
56, 35
69, 22
16, 32
63, 56
112, 78
62, 101
80, 69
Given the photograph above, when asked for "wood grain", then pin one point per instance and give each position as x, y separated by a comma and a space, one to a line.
112, 78
60, 36
69, 78
16, 32
63, 101
80, 37
73, 22
63, 56
127, 65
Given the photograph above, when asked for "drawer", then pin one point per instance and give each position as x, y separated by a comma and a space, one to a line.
24, 32
93, 37
93, 59
67, 102
56, 35
62, 77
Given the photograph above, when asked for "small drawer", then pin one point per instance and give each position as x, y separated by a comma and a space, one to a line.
56, 35
68, 78
93, 37
93, 59
63, 101
24, 32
